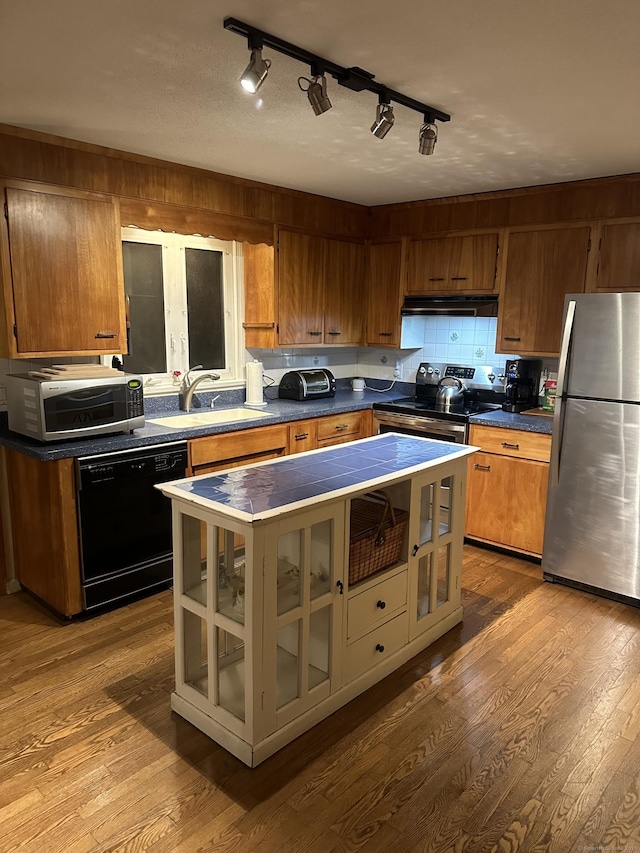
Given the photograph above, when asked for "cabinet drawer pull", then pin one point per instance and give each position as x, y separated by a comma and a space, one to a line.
381, 604
385, 334
458, 278
436, 278
507, 338
379, 647
511, 446
482, 467
314, 333
302, 435
335, 333
342, 426
106, 335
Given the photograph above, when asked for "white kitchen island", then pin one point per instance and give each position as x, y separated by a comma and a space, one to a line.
270, 635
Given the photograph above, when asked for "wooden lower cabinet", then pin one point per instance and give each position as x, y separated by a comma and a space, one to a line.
507, 488
233, 449
45, 530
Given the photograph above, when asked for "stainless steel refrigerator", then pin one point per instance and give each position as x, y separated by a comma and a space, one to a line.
592, 528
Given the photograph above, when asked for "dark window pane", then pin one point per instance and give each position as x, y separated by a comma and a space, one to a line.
143, 287
205, 304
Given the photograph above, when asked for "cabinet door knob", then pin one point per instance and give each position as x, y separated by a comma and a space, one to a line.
340, 586
379, 647
381, 604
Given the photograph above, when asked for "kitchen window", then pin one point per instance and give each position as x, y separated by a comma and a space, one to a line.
182, 306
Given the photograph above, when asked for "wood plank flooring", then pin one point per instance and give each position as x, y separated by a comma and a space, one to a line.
519, 730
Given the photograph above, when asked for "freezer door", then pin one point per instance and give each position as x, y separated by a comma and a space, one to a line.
592, 529
604, 356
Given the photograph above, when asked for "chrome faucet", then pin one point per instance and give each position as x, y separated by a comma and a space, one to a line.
187, 388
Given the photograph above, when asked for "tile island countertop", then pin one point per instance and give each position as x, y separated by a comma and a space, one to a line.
268, 489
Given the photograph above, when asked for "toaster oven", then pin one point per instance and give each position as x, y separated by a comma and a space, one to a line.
307, 384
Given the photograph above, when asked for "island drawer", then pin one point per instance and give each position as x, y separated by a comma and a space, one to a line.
375, 604
512, 442
335, 426
376, 646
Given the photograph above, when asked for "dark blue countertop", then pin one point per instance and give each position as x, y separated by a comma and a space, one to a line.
280, 411
294, 482
509, 420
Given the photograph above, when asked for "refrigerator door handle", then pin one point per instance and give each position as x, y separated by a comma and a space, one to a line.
558, 418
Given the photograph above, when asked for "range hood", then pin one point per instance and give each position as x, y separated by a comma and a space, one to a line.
454, 305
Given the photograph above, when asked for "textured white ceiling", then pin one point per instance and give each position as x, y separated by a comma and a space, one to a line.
539, 90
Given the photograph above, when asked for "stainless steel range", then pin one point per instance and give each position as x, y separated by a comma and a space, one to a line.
482, 389
477, 390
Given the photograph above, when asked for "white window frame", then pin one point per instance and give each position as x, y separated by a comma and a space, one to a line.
175, 308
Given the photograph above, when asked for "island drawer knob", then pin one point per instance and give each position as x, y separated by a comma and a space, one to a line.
380, 647
381, 604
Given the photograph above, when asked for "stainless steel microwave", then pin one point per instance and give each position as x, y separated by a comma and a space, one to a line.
55, 409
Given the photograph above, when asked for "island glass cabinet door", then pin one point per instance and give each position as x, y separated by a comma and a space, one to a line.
217, 607
304, 600
435, 546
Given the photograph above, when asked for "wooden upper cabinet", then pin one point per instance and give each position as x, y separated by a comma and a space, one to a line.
259, 295
384, 293
618, 265
458, 264
300, 288
541, 267
62, 272
344, 290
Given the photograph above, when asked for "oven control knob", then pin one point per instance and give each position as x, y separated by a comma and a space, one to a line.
437, 371
491, 377
501, 377
422, 371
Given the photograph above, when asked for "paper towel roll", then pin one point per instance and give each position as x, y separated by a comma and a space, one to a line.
254, 384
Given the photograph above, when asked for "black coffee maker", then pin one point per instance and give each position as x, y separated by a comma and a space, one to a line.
521, 384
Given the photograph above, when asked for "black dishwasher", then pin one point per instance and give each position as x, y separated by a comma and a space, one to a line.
125, 524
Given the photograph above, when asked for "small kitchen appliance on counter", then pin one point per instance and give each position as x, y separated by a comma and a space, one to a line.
72, 403
522, 384
312, 384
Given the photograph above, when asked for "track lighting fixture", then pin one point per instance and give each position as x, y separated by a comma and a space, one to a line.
256, 71
316, 93
428, 135
384, 119
356, 79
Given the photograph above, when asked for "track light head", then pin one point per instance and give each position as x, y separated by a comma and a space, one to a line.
256, 71
316, 93
384, 120
428, 136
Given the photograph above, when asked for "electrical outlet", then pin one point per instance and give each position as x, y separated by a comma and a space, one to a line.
397, 372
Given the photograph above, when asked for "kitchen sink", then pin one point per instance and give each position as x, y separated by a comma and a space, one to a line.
196, 419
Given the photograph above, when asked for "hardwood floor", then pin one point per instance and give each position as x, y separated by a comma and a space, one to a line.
519, 730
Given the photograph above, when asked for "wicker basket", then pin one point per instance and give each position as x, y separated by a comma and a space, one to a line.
377, 530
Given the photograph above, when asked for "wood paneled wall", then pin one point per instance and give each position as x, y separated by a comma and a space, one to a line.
153, 190
158, 194
600, 198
